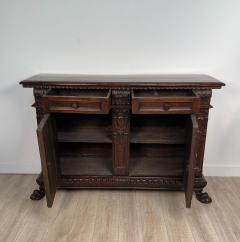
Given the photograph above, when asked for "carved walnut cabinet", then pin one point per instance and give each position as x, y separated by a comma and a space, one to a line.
122, 132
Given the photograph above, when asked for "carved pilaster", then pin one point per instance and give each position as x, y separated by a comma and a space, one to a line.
121, 127
38, 94
38, 194
202, 118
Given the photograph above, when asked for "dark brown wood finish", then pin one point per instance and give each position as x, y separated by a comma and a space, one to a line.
47, 149
158, 129
164, 102
85, 159
181, 81
77, 101
190, 160
122, 131
84, 128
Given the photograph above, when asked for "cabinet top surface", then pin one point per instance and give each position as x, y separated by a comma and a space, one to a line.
132, 80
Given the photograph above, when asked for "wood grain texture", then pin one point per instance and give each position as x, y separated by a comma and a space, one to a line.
157, 129
122, 216
84, 128
156, 166
47, 149
85, 159
77, 101
120, 131
164, 102
76, 81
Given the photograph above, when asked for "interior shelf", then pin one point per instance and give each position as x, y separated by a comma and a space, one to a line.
157, 145
157, 166
156, 160
153, 129
79, 165
84, 128
85, 159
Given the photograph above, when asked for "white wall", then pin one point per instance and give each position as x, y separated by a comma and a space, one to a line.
110, 36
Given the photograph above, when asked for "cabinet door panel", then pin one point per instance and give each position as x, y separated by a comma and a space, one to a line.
190, 160
47, 149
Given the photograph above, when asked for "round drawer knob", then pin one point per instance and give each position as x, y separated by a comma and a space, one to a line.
166, 106
75, 105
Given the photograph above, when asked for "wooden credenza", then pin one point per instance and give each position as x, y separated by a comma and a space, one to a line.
116, 131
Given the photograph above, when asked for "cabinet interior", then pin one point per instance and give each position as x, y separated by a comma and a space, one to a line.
157, 144
84, 144
84, 128
85, 159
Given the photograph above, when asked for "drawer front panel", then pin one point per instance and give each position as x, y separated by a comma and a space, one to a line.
178, 103
155, 107
76, 105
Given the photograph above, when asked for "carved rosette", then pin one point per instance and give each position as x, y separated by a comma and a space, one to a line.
121, 126
202, 118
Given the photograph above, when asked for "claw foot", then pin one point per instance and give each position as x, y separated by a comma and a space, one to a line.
203, 197
37, 195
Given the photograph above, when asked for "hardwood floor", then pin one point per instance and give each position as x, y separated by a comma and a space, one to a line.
108, 216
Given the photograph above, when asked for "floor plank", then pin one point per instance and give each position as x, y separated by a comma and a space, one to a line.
121, 216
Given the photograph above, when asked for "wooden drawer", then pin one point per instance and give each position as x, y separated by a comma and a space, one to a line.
164, 102
77, 101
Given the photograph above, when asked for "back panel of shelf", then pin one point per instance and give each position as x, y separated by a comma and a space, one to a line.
84, 128
158, 129
158, 145
156, 160
85, 159
84, 144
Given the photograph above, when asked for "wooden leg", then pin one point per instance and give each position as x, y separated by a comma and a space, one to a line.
203, 197
40, 193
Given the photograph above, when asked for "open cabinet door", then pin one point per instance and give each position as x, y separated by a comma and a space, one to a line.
47, 149
190, 160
